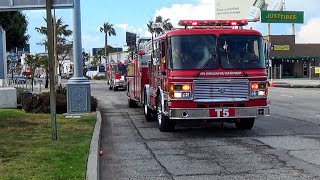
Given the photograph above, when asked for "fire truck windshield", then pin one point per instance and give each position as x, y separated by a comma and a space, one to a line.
122, 68
192, 52
241, 52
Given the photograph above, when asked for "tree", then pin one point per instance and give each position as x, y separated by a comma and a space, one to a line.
166, 25
63, 46
44, 63
33, 63
97, 58
63, 50
15, 24
108, 30
61, 29
85, 59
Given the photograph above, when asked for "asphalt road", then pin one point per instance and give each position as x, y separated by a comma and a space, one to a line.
283, 146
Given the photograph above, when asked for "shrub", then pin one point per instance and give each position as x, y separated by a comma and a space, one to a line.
94, 104
61, 90
40, 103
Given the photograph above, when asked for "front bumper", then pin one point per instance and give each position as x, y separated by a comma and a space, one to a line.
120, 84
219, 113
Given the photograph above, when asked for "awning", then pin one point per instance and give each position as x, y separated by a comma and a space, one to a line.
296, 58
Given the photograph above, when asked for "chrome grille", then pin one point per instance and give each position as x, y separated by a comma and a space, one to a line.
222, 90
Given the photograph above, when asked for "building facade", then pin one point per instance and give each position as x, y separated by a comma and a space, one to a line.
291, 60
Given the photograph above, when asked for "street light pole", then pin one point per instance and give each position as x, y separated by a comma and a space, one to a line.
51, 70
78, 87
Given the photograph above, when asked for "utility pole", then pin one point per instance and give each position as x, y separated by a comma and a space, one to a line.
51, 62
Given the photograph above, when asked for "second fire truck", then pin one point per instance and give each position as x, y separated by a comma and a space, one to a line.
209, 70
116, 75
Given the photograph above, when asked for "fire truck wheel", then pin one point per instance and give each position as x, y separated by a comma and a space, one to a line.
165, 124
245, 123
147, 111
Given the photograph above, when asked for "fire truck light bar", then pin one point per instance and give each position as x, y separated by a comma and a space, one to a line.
213, 22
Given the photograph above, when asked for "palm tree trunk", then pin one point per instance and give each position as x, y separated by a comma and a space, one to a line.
47, 79
106, 46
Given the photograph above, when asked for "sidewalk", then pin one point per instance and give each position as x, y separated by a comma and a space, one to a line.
296, 83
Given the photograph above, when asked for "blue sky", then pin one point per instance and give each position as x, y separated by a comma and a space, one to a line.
128, 15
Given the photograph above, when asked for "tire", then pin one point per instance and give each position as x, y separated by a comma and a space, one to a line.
147, 111
132, 103
165, 124
115, 89
246, 123
110, 88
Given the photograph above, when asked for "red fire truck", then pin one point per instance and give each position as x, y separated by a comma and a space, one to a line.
209, 70
116, 75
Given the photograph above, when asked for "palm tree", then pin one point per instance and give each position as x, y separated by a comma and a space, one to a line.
166, 25
61, 30
107, 29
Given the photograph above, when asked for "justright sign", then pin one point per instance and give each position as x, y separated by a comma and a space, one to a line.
292, 17
317, 70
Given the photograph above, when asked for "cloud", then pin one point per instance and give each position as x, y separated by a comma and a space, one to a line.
90, 40
309, 33
122, 26
205, 9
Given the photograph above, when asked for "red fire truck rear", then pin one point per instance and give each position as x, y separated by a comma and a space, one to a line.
209, 70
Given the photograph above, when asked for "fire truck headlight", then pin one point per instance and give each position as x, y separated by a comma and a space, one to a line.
180, 91
177, 95
262, 93
258, 90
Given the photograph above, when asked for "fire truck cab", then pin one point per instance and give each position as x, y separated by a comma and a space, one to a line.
210, 70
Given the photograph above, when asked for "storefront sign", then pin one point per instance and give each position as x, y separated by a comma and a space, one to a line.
282, 17
281, 47
317, 70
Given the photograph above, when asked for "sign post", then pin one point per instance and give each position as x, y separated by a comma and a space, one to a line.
51, 70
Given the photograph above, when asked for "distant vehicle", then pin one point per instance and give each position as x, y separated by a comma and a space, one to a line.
116, 75
93, 71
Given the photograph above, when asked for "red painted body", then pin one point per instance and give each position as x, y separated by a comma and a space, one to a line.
159, 77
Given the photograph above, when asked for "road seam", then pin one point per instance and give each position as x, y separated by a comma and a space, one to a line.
146, 145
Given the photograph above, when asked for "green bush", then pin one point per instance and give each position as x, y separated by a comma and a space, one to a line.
40, 103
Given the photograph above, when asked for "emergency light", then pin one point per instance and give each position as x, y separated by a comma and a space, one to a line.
243, 22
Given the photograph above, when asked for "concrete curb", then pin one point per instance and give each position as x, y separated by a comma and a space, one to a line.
296, 86
93, 159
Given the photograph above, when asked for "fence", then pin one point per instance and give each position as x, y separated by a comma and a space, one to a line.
26, 84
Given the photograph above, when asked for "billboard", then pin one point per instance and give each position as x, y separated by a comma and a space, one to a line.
245, 9
131, 39
11, 5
